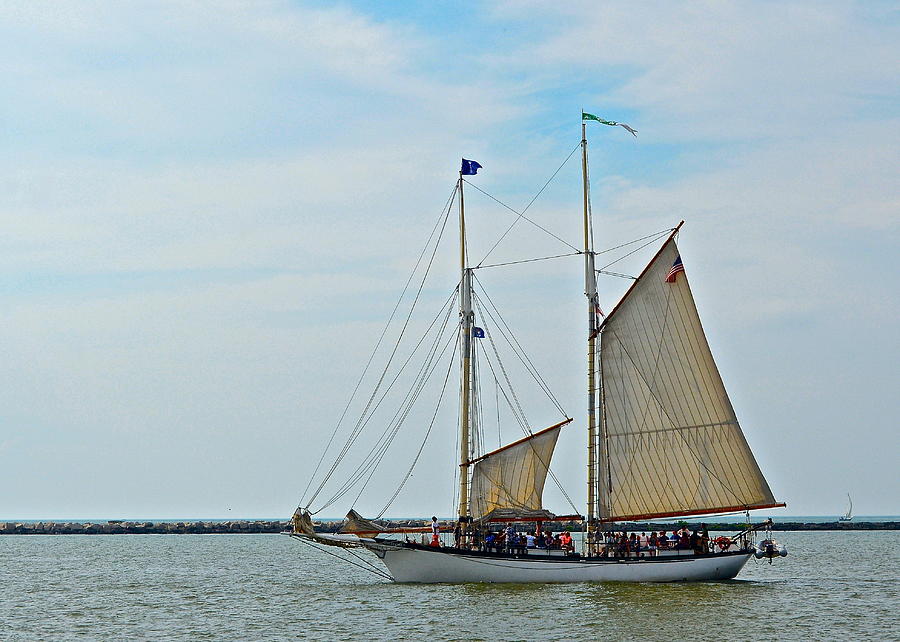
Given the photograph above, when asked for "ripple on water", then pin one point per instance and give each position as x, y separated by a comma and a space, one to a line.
199, 587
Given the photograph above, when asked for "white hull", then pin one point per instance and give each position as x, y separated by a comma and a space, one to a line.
430, 566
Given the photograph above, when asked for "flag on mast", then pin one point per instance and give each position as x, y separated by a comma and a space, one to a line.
469, 167
611, 123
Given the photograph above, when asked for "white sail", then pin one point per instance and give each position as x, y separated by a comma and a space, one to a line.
509, 482
670, 441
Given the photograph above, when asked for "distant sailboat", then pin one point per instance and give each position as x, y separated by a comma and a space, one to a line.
848, 516
662, 441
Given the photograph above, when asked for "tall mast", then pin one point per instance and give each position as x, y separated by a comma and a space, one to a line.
467, 317
590, 290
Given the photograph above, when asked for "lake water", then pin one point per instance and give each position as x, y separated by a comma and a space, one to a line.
833, 585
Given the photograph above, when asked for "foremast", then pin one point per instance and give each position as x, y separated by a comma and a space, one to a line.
467, 320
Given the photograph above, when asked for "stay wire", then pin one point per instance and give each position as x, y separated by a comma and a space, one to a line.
637, 240
530, 203
512, 391
400, 417
529, 367
520, 215
540, 258
379, 451
448, 305
427, 433
355, 432
655, 238
444, 215
367, 567
517, 347
523, 423
373, 455
520, 419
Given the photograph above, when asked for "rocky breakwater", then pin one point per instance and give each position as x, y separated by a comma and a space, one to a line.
116, 527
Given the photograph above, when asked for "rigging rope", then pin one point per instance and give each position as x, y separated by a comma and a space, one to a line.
537, 225
368, 567
655, 238
427, 433
377, 452
399, 417
655, 235
517, 411
358, 427
517, 348
530, 203
618, 274
445, 212
540, 258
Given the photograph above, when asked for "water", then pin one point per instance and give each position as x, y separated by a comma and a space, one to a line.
266, 587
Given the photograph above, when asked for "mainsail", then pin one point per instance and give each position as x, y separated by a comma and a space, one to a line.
670, 443
508, 483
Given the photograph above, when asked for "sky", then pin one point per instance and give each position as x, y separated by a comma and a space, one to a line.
208, 211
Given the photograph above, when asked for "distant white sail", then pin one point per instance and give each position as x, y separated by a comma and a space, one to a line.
670, 441
509, 482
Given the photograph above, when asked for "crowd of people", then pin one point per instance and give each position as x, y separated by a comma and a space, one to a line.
510, 541
622, 544
608, 544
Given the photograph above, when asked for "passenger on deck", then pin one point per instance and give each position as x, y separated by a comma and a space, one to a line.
684, 542
565, 542
662, 542
695, 542
457, 534
511, 539
652, 543
529, 540
521, 544
633, 544
548, 540
611, 544
489, 542
674, 539
500, 541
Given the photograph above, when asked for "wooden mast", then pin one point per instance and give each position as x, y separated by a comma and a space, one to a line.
590, 290
466, 320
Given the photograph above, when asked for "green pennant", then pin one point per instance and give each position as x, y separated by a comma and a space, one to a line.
611, 123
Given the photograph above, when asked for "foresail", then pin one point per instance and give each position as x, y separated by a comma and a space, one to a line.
670, 441
510, 481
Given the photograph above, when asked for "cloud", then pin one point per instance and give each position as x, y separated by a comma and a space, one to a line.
727, 70
209, 209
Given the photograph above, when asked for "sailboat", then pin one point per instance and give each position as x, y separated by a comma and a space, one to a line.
848, 516
662, 439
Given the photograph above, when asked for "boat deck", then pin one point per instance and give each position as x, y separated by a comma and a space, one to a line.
541, 554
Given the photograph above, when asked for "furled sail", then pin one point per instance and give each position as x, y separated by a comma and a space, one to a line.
508, 483
670, 443
356, 523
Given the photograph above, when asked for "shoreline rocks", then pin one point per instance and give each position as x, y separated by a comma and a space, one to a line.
121, 527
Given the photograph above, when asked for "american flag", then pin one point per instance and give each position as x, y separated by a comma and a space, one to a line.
677, 267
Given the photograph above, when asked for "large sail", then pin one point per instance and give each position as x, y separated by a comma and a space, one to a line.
670, 443
508, 483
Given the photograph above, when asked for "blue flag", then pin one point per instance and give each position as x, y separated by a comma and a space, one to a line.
477, 332
469, 167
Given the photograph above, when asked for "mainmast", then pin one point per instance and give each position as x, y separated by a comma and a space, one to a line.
467, 318
590, 290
